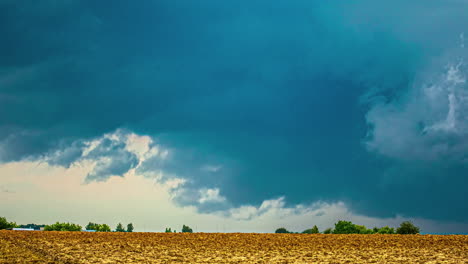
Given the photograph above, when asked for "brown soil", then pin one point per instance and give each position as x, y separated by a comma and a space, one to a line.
82, 247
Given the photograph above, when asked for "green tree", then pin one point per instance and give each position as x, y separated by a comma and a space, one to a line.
313, 230
130, 227
363, 230
103, 228
186, 229
282, 230
62, 227
328, 231
120, 228
4, 224
345, 227
97, 227
407, 228
91, 226
168, 230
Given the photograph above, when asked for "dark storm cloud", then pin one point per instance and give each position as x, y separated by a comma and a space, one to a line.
113, 159
280, 94
66, 155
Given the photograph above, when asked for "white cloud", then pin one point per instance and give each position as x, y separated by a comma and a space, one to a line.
141, 146
211, 196
430, 121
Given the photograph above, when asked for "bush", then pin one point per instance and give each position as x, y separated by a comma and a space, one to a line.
313, 230
328, 231
407, 228
62, 227
4, 224
282, 230
168, 230
186, 229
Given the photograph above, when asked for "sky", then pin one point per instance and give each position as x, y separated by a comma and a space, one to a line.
235, 115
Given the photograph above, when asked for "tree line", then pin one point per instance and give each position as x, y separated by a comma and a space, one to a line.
89, 227
4, 224
341, 227
185, 229
347, 227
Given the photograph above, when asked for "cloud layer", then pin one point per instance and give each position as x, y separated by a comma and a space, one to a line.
361, 102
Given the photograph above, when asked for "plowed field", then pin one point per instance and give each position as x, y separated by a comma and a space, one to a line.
82, 247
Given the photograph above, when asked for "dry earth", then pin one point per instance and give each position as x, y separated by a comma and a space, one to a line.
82, 247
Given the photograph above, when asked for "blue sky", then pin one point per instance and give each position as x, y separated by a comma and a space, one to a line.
237, 105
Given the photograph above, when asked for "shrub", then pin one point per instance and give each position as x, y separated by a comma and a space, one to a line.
407, 228
168, 230
282, 230
328, 231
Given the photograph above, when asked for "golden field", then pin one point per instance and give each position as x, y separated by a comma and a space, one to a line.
83, 247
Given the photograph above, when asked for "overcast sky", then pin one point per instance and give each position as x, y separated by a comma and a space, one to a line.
235, 115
